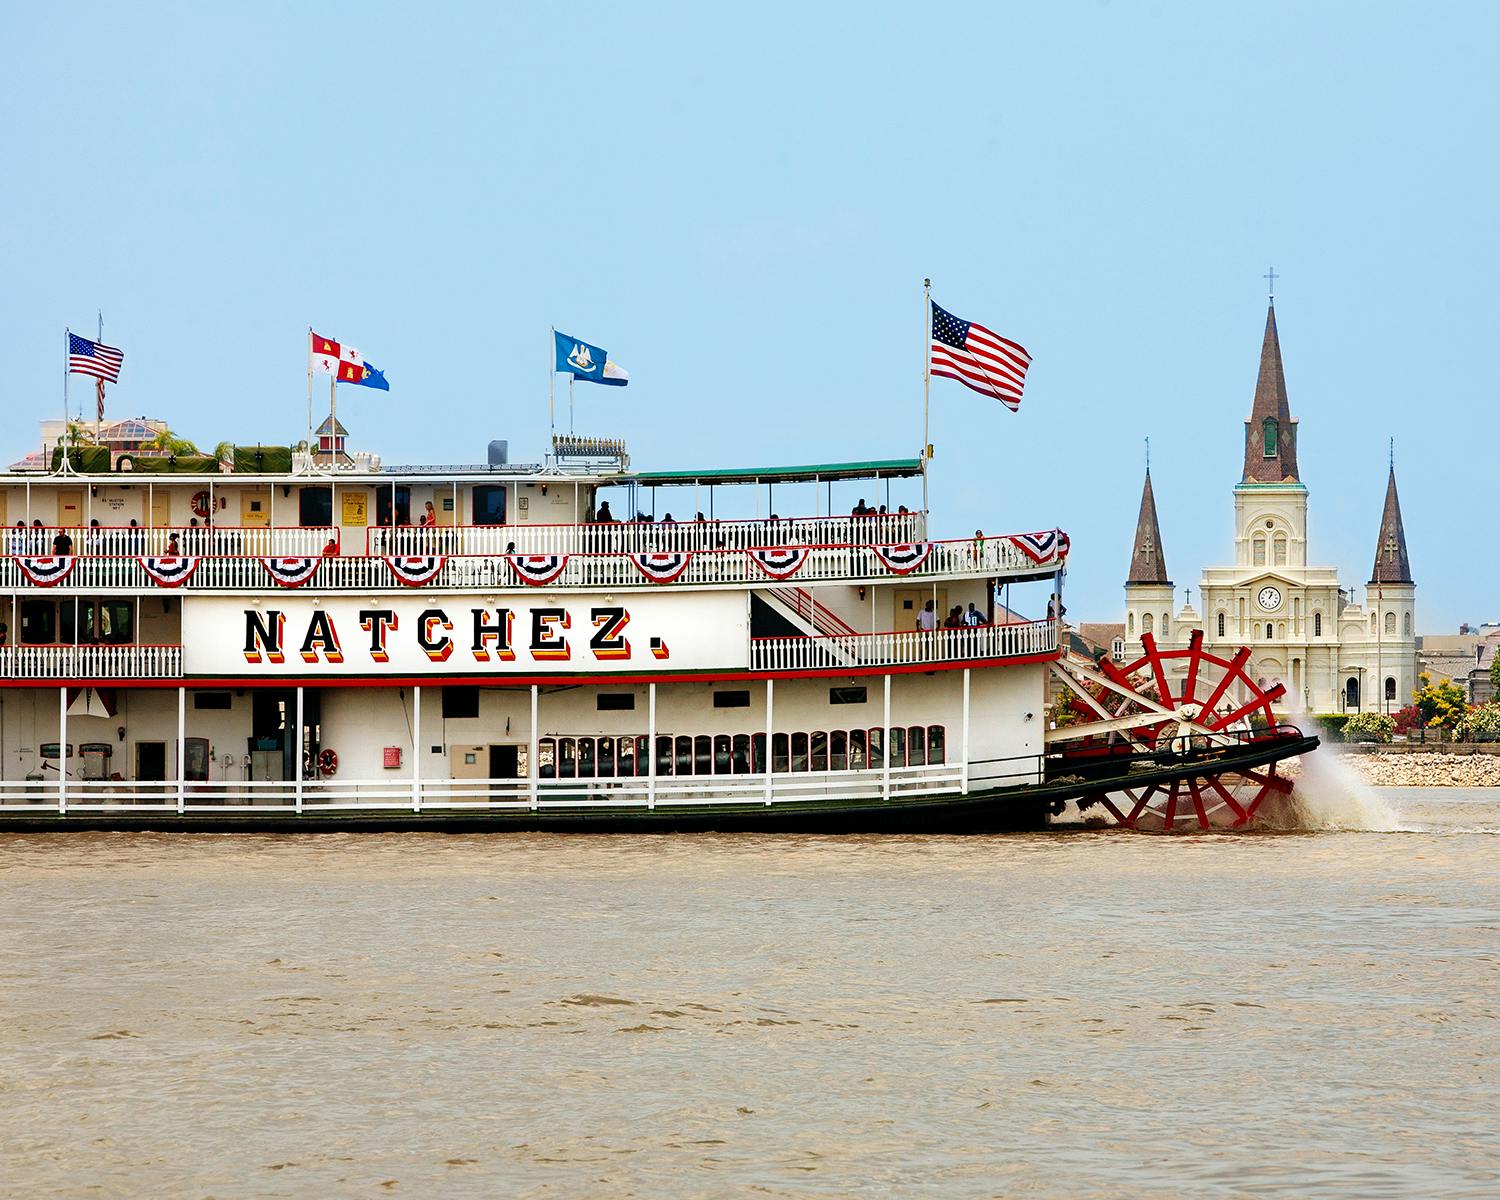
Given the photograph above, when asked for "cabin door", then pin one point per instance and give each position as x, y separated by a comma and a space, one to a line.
151, 761
910, 601
255, 508
161, 508
505, 762
70, 506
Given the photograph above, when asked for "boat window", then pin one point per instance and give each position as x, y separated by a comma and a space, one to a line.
75, 622
546, 758
732, 699
116, 621
877, 748
489, 504
780, 755
848, 695
757, 752
391, 502
858, 759
703, 751
721, 754
460, 702
663, 756
38, 622
838, 750
615, 701
799, 751
315, 507
606, 766
741, 756
916, 746
211, 700
898, 747
567, 758
684, 755
818, 755
195, 760
936, 745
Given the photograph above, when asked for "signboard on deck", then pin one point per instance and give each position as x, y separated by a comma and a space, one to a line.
356, 506
500, 634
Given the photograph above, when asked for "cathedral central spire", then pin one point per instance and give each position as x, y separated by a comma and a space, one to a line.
1147, 562
1271, 431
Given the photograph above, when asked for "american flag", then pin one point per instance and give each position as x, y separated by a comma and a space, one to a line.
985, 361
94, 358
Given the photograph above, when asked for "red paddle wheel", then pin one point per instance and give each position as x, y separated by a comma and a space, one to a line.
1181, 733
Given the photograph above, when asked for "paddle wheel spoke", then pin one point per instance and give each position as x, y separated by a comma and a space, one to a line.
1197, 796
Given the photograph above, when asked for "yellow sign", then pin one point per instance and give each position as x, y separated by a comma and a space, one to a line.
356, 508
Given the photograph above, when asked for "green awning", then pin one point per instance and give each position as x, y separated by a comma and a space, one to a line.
883, 468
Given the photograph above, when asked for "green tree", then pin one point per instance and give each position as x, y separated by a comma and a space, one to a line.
1441, 704
1495, 668
167, 442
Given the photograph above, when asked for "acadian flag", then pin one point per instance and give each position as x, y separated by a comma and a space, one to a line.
344, 363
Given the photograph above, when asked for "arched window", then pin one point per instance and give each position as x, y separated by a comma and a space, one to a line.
1351, 693
1317, 624
1268, 437
1390, 622
1278, 557
1221, 624
1117, 649
1145, 622
1164, 624
1406, 625
1269, 633
1130, 624
1390, 688
1258, 558
1374, 628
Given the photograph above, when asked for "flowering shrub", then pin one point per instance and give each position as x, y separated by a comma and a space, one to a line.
1441, 704
1369, 727
1481, 724
1407, 719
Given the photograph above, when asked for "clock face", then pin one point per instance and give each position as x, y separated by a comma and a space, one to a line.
1269, 598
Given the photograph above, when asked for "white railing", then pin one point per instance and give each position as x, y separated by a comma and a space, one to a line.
997, 558
91, 662
122, 541
1018, 640
281, 798
648, 537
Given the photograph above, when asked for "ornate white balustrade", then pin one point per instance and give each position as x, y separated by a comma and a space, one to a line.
1019, 640
117, 541
90, 662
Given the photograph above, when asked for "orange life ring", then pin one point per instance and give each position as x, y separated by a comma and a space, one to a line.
328, 762
200, 503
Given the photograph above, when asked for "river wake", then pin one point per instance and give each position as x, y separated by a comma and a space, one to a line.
1330, 795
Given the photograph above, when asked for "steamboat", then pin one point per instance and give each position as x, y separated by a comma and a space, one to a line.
299, 638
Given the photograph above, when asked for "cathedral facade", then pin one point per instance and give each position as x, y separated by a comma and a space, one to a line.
1331, 652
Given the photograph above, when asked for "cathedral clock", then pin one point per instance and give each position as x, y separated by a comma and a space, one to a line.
1269, 598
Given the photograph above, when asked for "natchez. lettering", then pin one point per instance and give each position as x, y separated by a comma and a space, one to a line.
491, 635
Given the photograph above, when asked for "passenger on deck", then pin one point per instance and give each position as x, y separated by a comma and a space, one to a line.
331, 549
978, 545
38, 537
62, 544
955, 618
604, 516
173, 550
18, 539
973, 617
927, 618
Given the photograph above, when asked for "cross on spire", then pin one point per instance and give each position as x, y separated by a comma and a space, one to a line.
1270, 277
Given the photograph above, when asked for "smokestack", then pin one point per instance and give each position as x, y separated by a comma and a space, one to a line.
499, 453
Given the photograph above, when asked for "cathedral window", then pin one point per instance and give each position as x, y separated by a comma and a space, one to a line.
1259, 557
1317, 624
1269, 634
1406, 625
1374, 626
1268, 437
1390, 622
1164, 624
1279, 552
1145, 622
1390, 688
1130, 624
1221, 624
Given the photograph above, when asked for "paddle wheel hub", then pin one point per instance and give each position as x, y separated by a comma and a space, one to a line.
1196, 730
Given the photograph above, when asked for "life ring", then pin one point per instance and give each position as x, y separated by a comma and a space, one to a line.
200, 503
328, 762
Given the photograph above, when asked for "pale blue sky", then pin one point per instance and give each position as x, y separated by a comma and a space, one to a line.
740, 203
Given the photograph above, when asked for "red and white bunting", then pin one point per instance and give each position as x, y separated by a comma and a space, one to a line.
413, 570
1041, 547
779, 562
290, 572
170, 570
905, 558
537, 569
662, 568
46, 570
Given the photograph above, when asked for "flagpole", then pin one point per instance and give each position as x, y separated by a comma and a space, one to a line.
310, 457
552, 385
67, 345
99, 384
571, 379
926, 387
333, 421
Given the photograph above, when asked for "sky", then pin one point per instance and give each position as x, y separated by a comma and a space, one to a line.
740, 204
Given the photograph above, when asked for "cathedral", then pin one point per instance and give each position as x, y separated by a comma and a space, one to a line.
1304, 631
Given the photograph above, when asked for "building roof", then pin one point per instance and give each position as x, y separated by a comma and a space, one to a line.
1391, 562
885, 468
1100, 635
1148, 563
328, 423
1270, 405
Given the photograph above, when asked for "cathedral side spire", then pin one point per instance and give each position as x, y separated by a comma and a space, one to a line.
1271, 431
1391, 562
1147, 562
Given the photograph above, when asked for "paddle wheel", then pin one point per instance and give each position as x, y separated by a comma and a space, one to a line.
1204, 748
